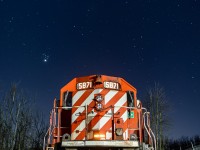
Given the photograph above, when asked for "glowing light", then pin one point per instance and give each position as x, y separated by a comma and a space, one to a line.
99, 135
45, 57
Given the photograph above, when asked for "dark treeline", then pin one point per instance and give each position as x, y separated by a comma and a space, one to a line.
21, 126
183, 143
157, 104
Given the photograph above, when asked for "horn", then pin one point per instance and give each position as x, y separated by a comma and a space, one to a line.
98, 79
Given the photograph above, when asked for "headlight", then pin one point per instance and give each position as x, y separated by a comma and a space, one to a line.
99, 106
99, 98
118, 131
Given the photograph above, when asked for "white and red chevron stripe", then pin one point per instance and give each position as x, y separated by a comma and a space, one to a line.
97, 121
85, 97
117, 103
82, 98
112, 101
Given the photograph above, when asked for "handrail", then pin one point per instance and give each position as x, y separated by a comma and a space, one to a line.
144, 118
151, 132
150, 129
145, 114
154, 138
86, 120
68, 107
153, 135
53, 123
44, 141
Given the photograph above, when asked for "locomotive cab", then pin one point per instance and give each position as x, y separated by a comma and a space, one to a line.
99, 111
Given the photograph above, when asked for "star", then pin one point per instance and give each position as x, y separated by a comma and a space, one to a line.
45, 57
45, 60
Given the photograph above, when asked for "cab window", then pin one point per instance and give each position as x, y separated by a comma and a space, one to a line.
67, 99
130, 98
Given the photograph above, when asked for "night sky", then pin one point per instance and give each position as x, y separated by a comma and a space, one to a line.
46, 43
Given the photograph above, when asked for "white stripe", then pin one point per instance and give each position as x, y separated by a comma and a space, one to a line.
91, 116
108, 135
80, 128
110, 95
125, 116
88, 100
102, 121
120, 103
106, 117
77, 96
125, 134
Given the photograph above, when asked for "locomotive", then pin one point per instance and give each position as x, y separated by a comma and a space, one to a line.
99, 112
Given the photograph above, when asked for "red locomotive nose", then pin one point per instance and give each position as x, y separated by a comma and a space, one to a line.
98, 111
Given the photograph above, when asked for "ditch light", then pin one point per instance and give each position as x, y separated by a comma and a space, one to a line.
99, 136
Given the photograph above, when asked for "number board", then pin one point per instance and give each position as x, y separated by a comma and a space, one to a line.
112, 85
84, 85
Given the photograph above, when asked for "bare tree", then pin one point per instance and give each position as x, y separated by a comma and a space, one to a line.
16, 118
156, 103
21, 127
2, 127
197, 139
39, 126
24, 128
